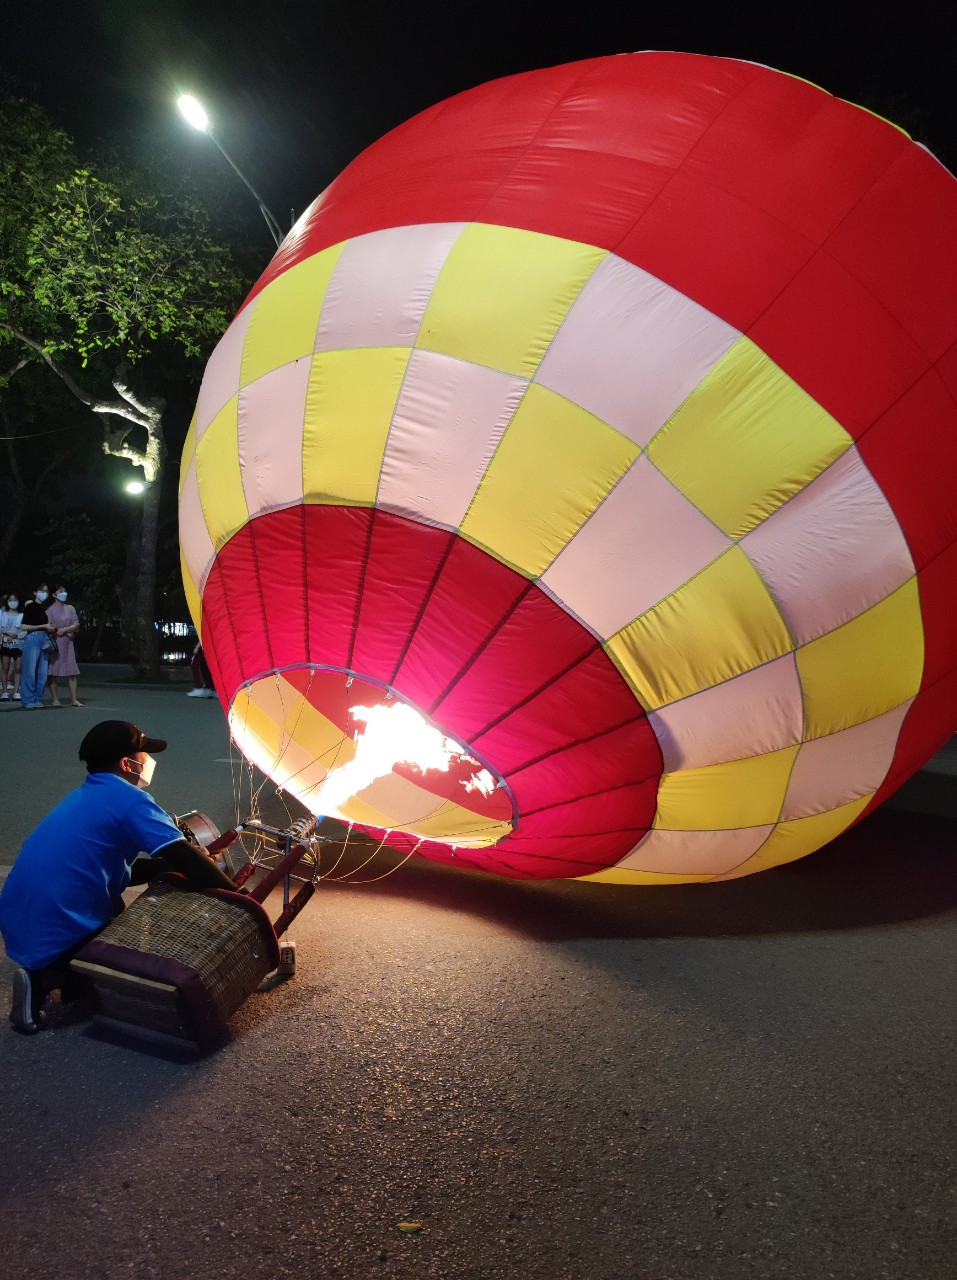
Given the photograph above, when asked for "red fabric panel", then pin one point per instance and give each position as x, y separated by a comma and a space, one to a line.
444, 163
403, 560
809, 158
736, 268
947, 369
913, 275
636, 153
937, 583
306, 566
279, 572
612, 192
929, 724
336, 539
911, 452
624, 755
473, 595
590, 699
612, 812
344, 214
233, 610
548, 640
836, 340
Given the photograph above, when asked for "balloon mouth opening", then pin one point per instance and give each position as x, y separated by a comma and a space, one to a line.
350, 748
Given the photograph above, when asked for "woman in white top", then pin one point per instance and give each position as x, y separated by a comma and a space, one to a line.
11, 615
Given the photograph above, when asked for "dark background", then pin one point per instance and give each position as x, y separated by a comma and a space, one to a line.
296, 90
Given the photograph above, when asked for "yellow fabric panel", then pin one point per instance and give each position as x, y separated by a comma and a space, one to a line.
349, 407
218, 476
870, 665
193, 601
720, 624
247, 718
450, 823
285, 316
286, 737
301, 722
618, 875
554, 465
189, 448
792, 840
502, 294
738, 793
745, 440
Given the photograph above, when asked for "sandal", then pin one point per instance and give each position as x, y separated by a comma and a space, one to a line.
77, 704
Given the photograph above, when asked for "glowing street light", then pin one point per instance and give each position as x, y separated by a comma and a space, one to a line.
195, 114
134, 486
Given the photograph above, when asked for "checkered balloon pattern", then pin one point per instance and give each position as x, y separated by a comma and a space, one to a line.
604, 415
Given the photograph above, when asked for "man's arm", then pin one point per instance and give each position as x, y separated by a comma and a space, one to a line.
192, 863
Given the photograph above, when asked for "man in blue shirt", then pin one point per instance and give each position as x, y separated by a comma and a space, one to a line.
67, 881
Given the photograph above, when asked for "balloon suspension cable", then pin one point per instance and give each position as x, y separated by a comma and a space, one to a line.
389, 872
342, 852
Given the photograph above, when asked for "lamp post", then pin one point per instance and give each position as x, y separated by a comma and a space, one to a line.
194, 113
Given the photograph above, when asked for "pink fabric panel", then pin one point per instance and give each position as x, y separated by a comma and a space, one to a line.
448, 422
750, 715
832, 551
632, 349
381, 285
271, 412
692, 853
843, 766
642, 543
221, 379
193, 533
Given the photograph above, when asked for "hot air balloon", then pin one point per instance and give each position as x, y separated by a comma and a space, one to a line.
596, 427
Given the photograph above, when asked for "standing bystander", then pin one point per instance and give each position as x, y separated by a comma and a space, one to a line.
11, 638
39, 631
63, 662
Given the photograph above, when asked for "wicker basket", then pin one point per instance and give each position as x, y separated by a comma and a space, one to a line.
178, 963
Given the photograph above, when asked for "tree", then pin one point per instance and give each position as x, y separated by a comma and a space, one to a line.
107, 271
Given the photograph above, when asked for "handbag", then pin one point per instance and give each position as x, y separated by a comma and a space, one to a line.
51, 648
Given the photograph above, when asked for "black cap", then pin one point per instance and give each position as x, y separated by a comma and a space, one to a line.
111, 740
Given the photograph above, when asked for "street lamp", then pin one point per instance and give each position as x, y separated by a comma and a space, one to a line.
134, 486
194, 113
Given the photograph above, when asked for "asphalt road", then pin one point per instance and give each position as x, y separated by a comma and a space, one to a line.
559, 1082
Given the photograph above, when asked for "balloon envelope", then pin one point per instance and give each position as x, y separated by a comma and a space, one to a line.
605, 417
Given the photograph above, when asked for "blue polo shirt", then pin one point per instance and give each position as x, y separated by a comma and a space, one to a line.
71, 870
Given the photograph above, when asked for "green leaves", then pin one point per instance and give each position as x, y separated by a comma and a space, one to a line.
110, 260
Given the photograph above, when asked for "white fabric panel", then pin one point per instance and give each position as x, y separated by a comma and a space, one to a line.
750, 715
643, 542
221, 379
832, 551
381, 286
694, 852
198, 550
631, 349
448, 421
270, 423
844, 766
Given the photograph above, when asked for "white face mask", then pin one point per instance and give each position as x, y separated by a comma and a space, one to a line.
13, 604
147, 768
41, 596
61, 596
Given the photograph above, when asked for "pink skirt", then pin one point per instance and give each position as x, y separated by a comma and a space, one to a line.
65, 662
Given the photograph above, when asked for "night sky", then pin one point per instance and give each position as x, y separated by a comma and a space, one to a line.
297, 89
